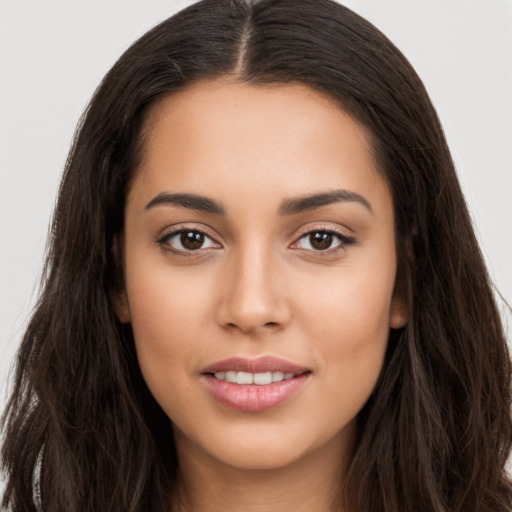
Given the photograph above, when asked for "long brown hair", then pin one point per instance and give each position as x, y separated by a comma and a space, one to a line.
82, 431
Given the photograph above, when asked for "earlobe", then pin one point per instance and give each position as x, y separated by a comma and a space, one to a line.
120, 298
399, 313
121, 307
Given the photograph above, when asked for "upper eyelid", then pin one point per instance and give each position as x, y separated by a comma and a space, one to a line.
344, 233
173, 231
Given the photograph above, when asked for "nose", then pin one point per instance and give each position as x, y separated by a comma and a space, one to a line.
254, 298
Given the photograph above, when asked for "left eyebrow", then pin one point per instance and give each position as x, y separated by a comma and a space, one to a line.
301, 204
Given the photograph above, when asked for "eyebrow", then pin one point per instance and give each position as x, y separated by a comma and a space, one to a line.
301, 204
289, 207
192, 201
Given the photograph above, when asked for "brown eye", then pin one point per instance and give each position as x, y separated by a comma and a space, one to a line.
320, 240
192, 240
187, 240
323, 240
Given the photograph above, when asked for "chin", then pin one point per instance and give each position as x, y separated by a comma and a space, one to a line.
258, 456
267, 447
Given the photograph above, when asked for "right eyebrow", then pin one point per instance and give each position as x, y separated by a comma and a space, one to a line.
192, 201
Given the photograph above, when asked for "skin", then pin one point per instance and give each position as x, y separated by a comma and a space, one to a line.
257, 287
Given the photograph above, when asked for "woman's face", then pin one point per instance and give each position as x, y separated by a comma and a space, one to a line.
259, 246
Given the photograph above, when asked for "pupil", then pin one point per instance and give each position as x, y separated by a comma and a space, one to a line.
192, 239
320, 240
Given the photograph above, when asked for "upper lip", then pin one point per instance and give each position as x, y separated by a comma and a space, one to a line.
259, 365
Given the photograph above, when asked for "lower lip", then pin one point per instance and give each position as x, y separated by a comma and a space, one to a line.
254, 398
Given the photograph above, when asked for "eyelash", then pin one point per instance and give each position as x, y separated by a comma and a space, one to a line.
163, 241
343, 239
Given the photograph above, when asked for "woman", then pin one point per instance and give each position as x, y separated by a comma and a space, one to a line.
263, 289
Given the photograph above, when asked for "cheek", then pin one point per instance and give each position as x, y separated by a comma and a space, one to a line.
353, 308
348, 319
168, 314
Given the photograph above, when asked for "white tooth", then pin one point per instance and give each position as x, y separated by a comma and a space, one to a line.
277, 376
263, 378
230, 376
288, 376
220, 375
244, 378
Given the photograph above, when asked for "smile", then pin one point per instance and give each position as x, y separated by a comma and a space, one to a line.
254, 385
260, 379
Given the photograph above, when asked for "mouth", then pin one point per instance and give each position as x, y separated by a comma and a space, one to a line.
254, 385
259, 379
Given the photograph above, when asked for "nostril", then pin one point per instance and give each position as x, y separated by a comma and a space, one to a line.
248, 328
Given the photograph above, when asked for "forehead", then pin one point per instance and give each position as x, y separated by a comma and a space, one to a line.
229, 136
262, 113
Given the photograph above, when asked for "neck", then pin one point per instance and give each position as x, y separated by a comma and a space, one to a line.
309, 483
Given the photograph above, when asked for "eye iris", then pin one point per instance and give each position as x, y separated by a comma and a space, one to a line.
320, 240
192, 240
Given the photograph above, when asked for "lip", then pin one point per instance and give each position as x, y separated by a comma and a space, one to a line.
259, 365
253, 397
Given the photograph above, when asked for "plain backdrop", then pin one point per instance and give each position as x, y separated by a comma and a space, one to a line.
53, 54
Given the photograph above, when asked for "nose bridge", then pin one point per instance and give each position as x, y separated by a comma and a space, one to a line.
253, 297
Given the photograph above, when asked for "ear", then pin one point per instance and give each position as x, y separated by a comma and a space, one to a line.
399, 312
121, 307
119, 295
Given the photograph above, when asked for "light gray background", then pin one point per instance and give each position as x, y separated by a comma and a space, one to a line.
54, 53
